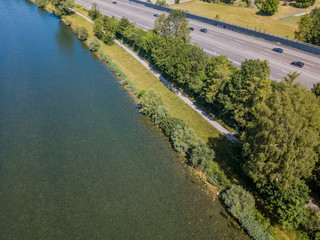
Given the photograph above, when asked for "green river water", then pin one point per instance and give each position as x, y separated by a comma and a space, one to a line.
77, 159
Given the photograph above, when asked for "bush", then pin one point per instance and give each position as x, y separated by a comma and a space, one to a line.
42, 3
161, 3
214, 181
169, 123
183, 138
201, 156
67, 22
94, 44
254, 229
238, 201
160, 114
150, 101
82, 33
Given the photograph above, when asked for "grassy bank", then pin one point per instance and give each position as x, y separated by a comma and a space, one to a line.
249, 17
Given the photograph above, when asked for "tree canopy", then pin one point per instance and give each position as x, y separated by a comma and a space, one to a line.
175, 25
309, 27
270, 7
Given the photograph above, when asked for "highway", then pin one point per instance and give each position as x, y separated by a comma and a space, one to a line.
219, 41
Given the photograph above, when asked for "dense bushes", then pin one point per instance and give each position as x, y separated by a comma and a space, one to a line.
182, 137
241, 205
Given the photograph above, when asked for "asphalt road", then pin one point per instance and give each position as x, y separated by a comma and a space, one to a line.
219, 41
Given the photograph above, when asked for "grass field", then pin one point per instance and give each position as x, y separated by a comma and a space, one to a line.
248, 17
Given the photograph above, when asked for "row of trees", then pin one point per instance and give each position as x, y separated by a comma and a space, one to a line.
279, 122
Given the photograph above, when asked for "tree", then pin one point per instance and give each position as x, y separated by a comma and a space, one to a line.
161, 3
98, 28
150, 101
94, 12
175, 25
309, 27
219, 71
82, 33
282, 141
62, 7
304, 3
160, 114
183, 138
107, 39
42, 3
248, 87
291, 77
316, 89
202, 155
288, 204
270, 7
94, 44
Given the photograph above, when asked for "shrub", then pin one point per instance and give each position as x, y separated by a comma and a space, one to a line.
214, 181
67, 22
94, 44
183, 138
161, 3
201, 156
82, 33
238, 201
160, 114
254, 229
150, 101
169, 123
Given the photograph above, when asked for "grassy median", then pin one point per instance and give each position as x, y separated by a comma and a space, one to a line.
249, 17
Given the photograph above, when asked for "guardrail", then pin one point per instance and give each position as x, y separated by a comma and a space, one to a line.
289, 42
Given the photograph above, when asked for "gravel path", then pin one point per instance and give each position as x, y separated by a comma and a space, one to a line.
213, 122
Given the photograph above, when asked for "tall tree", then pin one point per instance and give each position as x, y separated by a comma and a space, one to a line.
175, 25
316, 89
282, 141
309, 27
94, 12
270, 7
248, 87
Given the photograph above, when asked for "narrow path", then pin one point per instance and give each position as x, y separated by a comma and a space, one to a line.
206, 116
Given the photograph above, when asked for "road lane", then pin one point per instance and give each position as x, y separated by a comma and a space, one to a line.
219, 41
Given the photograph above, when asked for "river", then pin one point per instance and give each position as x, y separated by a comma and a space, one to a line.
77, 159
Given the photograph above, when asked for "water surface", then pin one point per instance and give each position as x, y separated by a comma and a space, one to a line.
77, 160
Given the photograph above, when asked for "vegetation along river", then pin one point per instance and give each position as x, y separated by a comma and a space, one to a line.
77, 159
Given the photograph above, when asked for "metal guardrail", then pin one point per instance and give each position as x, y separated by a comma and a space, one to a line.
289, 42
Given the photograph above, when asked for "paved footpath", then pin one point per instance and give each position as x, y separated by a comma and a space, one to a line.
206, 116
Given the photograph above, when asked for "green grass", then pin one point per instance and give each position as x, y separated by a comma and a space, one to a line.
248, 17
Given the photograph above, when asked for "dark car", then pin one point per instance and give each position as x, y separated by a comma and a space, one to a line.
279, 50
203, 30
298, 64
192, 28
114, 2
156, 15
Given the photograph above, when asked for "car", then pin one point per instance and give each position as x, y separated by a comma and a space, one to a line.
156, 15
297, 64
203, 30
114, 2
279, 50
192, 28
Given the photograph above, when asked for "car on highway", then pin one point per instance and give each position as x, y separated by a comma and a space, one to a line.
297, 64
279, 50
156, 15
192, 28
114, 2
203, 30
